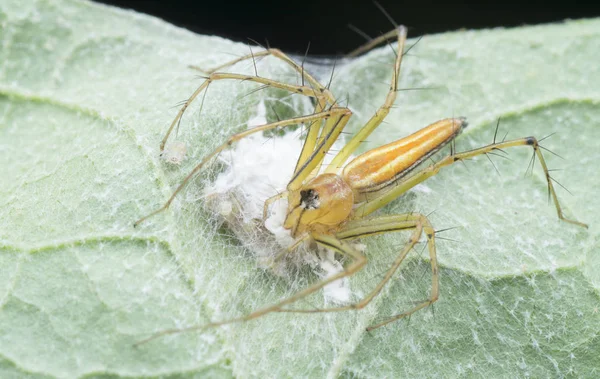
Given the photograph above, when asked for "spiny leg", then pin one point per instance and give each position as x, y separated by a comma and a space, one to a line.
317, 86
379, 225
342, 247
309, 145
381, 113
371, 44
330, 132
302, 90
406, 184
323, 94
333, 115
327, 97
434, 294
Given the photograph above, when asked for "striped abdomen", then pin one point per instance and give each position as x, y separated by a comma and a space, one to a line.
377, 169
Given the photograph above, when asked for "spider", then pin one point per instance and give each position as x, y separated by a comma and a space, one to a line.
333, 206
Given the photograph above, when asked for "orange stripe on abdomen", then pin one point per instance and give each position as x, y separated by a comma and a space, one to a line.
378, 167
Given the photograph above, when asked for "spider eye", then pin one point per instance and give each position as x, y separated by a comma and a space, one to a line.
309, 199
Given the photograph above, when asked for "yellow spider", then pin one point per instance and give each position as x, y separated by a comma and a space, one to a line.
332, 206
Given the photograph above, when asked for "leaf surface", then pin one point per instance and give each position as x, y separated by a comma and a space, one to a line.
85, 96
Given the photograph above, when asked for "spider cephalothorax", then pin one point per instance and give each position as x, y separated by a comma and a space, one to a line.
321, 205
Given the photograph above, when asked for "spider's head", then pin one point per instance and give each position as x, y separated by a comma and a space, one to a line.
309, 199
320, 205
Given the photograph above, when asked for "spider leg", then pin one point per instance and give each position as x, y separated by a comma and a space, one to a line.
337, 116
372, 43
321, 93
331, 130
331, 242
302, 90
338, 162
379, 225
316, 85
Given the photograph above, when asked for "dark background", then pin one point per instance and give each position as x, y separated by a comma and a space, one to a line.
291, 24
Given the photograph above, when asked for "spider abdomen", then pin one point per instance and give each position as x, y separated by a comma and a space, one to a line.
374, 170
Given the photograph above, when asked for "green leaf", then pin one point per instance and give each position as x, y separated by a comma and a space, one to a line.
85, 96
